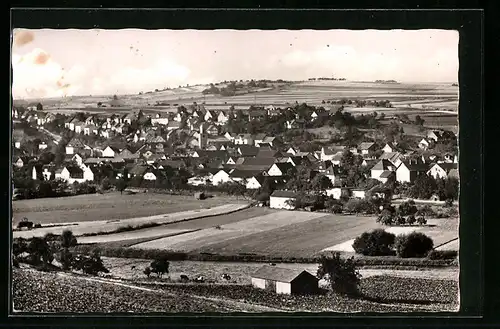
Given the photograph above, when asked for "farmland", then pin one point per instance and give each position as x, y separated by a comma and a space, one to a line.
109, 206
416, 95
48, 292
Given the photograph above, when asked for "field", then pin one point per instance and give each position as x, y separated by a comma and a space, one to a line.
282, 233
60, 292
109, 206
431, 95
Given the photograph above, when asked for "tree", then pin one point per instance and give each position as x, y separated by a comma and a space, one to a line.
375, 243
423, 187
147, 271
39, 251
115, 97
415, 244
67, 239
160, 266
39, 107
121, 185
341, 273
419, 121
407, 208
99, 104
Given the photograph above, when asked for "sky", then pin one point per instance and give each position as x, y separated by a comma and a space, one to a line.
55, 63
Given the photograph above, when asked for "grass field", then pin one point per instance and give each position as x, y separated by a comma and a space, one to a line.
101, 207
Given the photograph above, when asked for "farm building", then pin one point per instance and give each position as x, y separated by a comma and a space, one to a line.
285, 280
279, 199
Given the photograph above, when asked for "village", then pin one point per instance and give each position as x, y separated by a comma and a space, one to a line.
195, 148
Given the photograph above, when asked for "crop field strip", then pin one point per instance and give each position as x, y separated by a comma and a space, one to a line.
109, 225
199, 239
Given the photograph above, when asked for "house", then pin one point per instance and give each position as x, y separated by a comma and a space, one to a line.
281, 199
381, 167
244, 139
41, 118
258, 138
291, 150
137, 171
285, 280
74, 146
358, 193
36, 172
91, 120
172, 125
42, 146
267, 152
160, 119
262, 164
210, 115
273, 141
90, 130
394, 157
200, 180
389, 148
333, 153
72, 174
255, 182
386, 175
247, 151
231, 137
435, 135
21, 161
281, 169
338, 192
222, 118
256, 114
367, 148
221, 177
150, 174
242, 176
333, 173
443, 170
295, 124
409, 170
212, 130
424, 144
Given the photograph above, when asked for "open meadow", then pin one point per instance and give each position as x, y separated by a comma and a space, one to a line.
109, 206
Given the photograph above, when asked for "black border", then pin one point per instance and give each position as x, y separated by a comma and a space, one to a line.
470, 25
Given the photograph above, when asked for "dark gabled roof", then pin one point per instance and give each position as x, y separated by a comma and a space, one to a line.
414, 165
244, 173
267, 153
173, 163
256, 161
217, 154
383, 164
138, 170
75, 172
366, 145
279, 274
386, 174
447, 166
248, 150
259, 136
284, 194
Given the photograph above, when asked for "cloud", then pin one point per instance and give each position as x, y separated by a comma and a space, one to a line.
23, 37
36, 74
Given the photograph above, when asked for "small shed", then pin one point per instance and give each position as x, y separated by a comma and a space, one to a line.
285, 280
199, 196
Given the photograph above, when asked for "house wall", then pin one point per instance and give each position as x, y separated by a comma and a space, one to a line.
376, 173
332, 178
437, 172
253, 184
108, 153
274, 171
259, 283
283, 288
149, 176
70, 150
279, 203
46, 175
19, 163
88, 175
304, 284
403, 174
336, 193
220, 178
358, 194
387, 149
33, 174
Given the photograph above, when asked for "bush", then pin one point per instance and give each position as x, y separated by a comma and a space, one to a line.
386, 217
415, 244
375, 243
407, 208
39, 251
67, 239
262, 197
89, 265
421, 220
359, 206
336, 209
105, 184
442, 254
341, 273
160, 266
410, 220
147, 271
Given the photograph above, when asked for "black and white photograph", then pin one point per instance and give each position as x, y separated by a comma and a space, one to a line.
255, 171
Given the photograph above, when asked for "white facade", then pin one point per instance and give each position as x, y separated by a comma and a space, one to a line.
283, 288
42, 146
387, 149
274, 171
253, 184
220, 177
336, 193
108, 152
149, 176
375, 174
46, 174
17, 145
437, 172
403, 174
359, 194
70, 150
280, 203
259, 283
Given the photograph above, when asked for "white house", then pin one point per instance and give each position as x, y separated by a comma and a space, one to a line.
388, 148
358, 193
254, 183
424, 144
243, 139
149, 176
285, 280
380, 167
221, 177
42, 146
75, 174
222, 118
110, 152
408, 171
442, 170
280, 200
337, 192
280, 169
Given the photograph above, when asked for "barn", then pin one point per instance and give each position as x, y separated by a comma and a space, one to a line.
279, 199
285, 280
